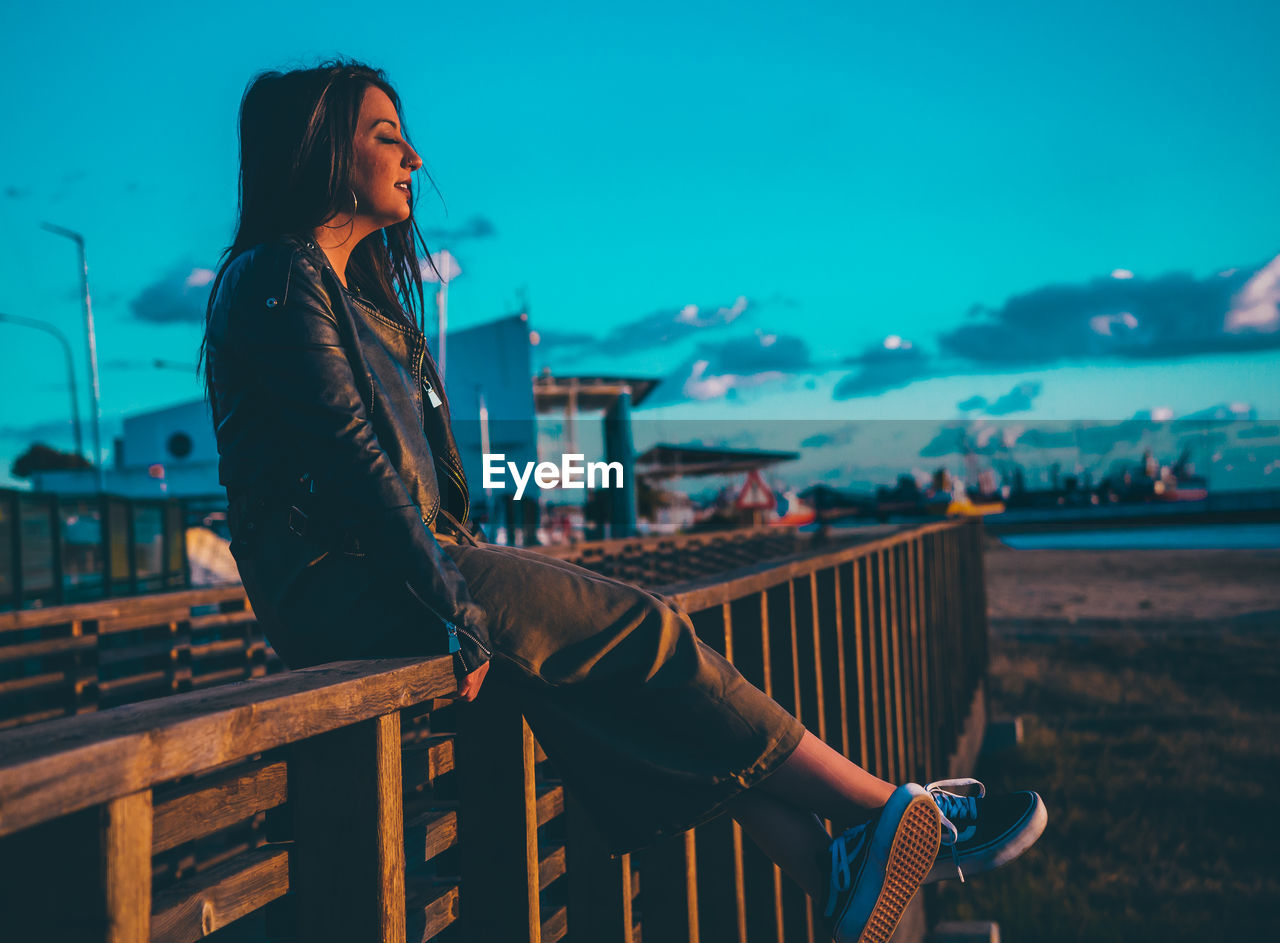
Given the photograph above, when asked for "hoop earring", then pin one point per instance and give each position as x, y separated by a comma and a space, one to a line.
351, 220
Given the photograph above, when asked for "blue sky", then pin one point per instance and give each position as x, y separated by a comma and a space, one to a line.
1067, 213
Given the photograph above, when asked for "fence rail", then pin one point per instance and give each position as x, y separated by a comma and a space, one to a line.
350, 802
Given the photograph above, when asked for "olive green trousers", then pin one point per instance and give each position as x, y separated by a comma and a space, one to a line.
651, 730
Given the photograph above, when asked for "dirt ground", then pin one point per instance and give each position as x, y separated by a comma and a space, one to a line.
1149, 687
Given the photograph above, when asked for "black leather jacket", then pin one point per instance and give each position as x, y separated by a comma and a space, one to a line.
323, 409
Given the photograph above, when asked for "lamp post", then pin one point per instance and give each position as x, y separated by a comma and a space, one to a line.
442, 268
93, 346
71, 369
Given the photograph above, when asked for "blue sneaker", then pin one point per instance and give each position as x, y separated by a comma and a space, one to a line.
980, 832
877, 867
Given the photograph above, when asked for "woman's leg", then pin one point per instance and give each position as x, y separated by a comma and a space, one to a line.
793, 839
817, 778
781, 814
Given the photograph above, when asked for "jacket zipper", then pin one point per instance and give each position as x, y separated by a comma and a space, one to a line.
450, 627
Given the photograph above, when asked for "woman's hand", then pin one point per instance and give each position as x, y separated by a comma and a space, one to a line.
470, 685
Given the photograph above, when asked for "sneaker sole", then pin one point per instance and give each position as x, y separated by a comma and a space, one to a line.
914, 848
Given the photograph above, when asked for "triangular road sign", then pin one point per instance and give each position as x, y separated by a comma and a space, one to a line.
755, 495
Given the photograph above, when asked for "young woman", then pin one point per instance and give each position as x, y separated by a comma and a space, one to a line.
349, 523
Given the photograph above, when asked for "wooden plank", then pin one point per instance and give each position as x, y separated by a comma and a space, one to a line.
431, 908
45, 647
228, 646
126, 868
347, 866
135, 651
32, 718
170, 605
211, 900
26, 685
215, 619
556, 926
551, 868
550, 804
430, 833
497, 822
427, 759
133, 746
205, 807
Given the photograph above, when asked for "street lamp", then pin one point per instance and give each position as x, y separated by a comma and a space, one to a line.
93, 346
442, 268
71, 370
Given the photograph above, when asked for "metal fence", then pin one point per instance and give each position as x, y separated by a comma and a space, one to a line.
349, 802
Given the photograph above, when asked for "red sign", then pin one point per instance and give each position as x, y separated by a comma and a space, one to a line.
755, 495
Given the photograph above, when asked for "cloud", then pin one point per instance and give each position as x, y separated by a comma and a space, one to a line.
972, 403
477, 227
659, 328
1017, 400
17, 193
1171, 315
841, 436
971, 438
885, 366
177, 297
739, 363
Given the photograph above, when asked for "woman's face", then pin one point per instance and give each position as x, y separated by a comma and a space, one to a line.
384, 162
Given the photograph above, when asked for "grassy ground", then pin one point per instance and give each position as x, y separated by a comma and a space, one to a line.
1156, 747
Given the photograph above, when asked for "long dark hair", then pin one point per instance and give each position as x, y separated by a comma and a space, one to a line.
297, 133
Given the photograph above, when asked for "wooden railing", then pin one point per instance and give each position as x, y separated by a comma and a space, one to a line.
73, 659
348, 802
79, 658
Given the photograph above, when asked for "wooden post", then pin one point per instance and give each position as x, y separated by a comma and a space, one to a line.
126, 867
82, 877
497, 822
347, 862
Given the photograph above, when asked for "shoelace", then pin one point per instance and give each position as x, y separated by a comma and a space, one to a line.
844, 850
955, 806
